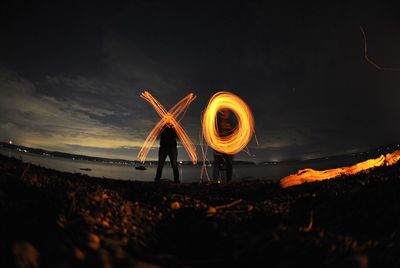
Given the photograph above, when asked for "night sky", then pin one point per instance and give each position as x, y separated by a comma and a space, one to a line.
71, 73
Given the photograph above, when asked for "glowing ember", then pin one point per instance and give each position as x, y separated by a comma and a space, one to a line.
172, 117
241, 134
392, 158
311, 175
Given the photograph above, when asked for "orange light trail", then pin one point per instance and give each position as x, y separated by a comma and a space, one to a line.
311, 175
171, 117
241, 134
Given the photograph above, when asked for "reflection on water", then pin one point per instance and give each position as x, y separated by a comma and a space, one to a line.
188, 173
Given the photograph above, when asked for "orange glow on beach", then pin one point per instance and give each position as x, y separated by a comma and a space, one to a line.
172, 117
241, 134
311, 175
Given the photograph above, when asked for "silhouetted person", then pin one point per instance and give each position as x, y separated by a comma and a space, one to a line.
223, 161
168, 147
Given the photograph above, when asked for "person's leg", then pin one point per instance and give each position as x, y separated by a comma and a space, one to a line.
228, 163
173, 157
216, 166
162, 154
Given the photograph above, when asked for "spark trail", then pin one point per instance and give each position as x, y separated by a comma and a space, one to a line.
173, 117
241, 134
311, 175
371, 61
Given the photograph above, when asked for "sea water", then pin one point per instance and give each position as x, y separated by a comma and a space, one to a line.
187, 173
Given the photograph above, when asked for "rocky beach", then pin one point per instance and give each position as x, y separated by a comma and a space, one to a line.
58, 219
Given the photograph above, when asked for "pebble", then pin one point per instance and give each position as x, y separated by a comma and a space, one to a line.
93, 241
175, 205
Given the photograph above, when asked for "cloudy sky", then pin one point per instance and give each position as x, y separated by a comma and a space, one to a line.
71, 73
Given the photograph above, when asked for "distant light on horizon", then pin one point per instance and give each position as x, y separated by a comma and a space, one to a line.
10, 142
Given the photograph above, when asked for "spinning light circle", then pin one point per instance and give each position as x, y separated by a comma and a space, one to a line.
241, 134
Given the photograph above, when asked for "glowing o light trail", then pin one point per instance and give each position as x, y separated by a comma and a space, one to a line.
171, 117
241, 134
311, 175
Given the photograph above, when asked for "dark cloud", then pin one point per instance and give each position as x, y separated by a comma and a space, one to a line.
72, 72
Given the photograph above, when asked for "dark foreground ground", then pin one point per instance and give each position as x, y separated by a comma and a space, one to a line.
55, 219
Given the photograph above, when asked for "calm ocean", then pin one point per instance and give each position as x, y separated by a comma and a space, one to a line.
187, 173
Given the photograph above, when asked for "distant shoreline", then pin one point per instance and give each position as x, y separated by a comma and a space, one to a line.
43, 152
372, 153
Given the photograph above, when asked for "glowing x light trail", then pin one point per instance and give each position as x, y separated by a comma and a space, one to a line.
172, 117
241, 134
